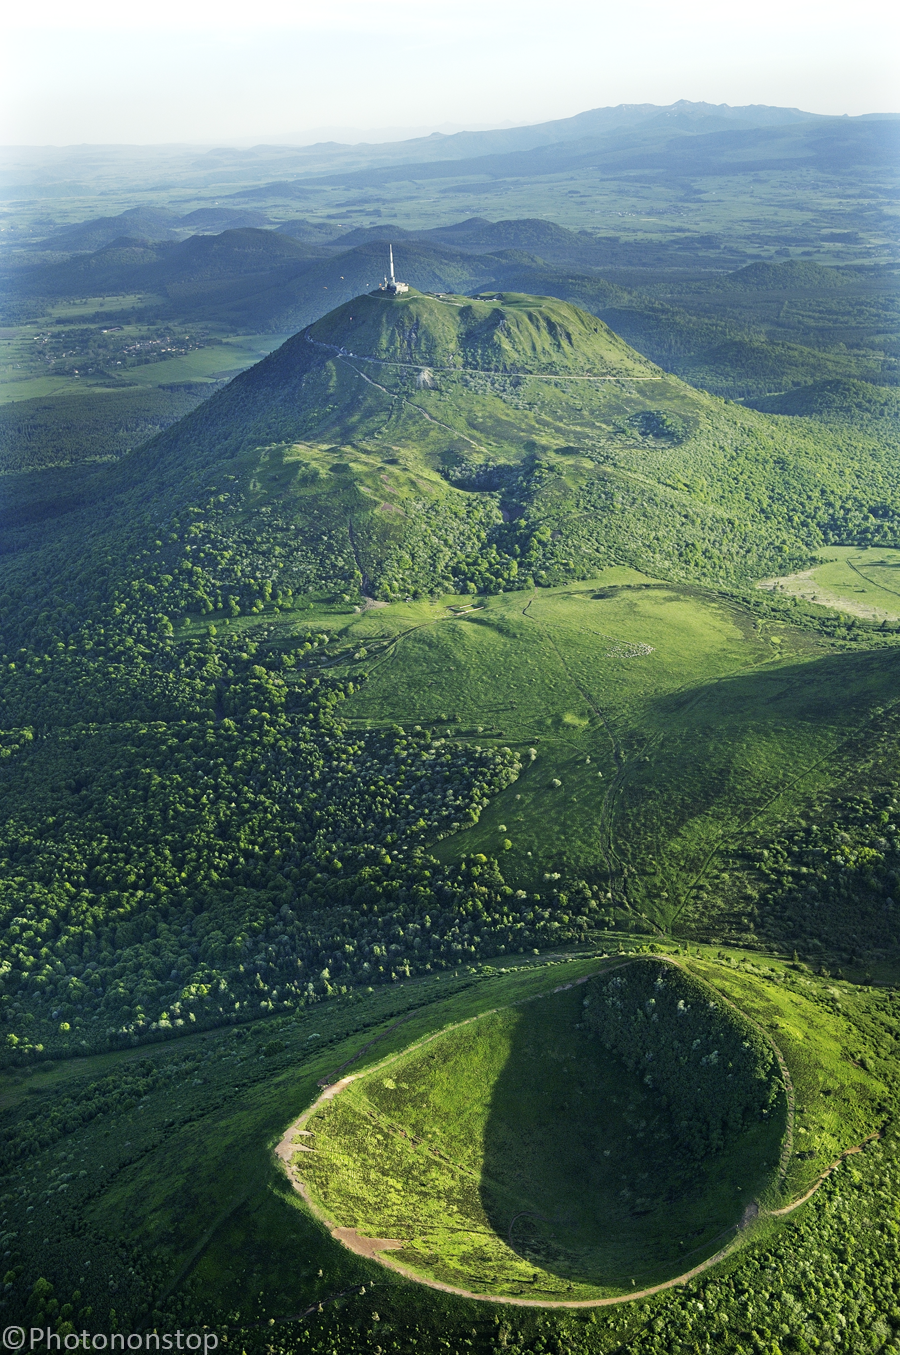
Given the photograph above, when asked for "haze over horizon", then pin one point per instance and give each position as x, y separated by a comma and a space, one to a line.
195, 73
383, 135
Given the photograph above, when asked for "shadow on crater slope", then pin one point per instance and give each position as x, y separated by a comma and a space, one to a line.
586, 1173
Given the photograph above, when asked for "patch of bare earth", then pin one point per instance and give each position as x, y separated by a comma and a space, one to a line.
365, 1246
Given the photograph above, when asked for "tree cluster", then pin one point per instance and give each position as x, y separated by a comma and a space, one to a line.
713, 1070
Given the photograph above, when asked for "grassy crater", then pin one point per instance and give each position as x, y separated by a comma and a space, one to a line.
531, 1153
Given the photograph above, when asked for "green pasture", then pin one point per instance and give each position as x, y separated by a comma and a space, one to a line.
79, 308
666, 722
862, 581
216, 363
13, 388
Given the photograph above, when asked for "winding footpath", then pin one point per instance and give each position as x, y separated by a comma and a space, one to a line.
820, 1180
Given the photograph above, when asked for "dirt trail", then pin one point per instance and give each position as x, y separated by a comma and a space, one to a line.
479, 371
330, 1077
848, 1152
408, 404
366, 1246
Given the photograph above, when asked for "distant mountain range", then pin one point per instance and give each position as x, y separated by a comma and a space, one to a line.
719, 134
683, 138
684, 118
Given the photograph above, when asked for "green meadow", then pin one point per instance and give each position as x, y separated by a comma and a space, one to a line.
821, 1027
863, 582
217, 363
659, 724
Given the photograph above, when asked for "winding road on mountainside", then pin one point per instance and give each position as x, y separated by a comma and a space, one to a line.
462, 371
345, 354
408, 404
376, 1248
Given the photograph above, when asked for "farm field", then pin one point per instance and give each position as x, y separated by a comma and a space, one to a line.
16, 388
849, 579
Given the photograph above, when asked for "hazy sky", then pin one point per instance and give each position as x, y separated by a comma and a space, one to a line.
194, 70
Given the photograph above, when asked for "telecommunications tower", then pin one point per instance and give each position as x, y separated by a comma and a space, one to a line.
391, 285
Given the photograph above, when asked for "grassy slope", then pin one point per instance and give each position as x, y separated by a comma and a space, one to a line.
826, 1280
797, 324
666, 760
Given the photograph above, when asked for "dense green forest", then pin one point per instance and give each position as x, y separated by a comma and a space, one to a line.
41, 433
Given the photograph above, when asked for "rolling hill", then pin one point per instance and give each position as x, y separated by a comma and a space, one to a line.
148, 223
476, 390
743, 332
128, 264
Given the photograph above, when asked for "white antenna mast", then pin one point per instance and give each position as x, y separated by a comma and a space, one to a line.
391, 285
